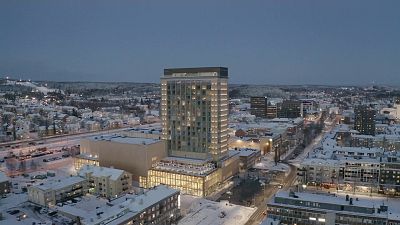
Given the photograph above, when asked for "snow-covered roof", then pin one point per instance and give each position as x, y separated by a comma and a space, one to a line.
246, 152
203, 212
320, 162
189, 166
98, 171
187, 160
59, 184
125, 139
370, 204
120, 209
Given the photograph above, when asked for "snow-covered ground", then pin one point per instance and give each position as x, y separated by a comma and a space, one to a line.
317, 142
267, 163
270, 165
200, 211
42, 89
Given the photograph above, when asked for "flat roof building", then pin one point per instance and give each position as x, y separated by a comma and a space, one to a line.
364, 120
194, 117
258, 106
135, 155
52, 192
311, 209
194, 112
159, 205
290, 109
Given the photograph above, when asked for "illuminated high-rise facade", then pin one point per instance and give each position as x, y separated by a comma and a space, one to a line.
194, 112
194, 115
364, 120
258, 106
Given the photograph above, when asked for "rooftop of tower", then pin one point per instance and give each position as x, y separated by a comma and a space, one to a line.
197, 71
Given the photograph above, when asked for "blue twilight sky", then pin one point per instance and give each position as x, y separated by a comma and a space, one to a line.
260, 41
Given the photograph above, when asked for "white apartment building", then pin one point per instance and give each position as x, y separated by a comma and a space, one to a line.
326, 209
53, 192
106, 182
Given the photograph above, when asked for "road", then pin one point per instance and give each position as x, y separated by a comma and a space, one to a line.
291, 160
313, 145
269, 192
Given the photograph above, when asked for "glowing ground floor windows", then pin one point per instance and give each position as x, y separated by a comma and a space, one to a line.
192, 185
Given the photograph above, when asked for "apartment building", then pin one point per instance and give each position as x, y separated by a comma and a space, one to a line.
258, 106
52, 192
364, 120
194, 112
389, 180
194, 118
159, 205
106, 182
290, 109
316, 209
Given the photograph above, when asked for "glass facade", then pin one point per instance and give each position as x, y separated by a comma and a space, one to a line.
188, 184
79, 162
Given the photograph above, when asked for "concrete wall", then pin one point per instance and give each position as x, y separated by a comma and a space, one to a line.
230, 167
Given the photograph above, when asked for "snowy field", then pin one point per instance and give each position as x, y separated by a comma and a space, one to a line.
42, 89
205, 212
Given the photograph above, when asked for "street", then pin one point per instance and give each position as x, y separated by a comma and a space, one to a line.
292, 160
269, 192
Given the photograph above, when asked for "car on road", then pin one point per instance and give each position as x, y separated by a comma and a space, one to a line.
21, 216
